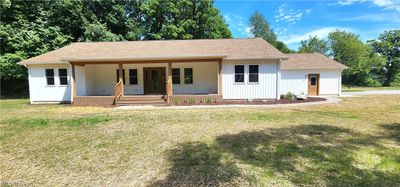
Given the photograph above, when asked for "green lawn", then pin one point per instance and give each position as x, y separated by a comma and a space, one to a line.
362, 89
352, 143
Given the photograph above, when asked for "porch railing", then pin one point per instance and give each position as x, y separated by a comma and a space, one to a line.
118, 90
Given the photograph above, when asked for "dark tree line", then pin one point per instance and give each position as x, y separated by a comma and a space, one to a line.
30, 28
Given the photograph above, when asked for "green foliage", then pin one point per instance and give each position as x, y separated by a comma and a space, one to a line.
348, 49
288, 95
259, 27
31, 28
314, 45
388, 45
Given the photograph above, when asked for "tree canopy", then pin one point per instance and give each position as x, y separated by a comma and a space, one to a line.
259, 27
31, 28
388, 46
314, 45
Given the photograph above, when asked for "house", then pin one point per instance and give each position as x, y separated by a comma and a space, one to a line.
134, 72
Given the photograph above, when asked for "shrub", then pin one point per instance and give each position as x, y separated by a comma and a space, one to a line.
288, 95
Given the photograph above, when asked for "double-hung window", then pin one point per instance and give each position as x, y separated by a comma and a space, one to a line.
176, 76
188, 75
133, 79
49, 76
253, 73
63, 76
123, 75
239, 73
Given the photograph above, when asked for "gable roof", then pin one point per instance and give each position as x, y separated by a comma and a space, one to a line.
310, 61
231, 49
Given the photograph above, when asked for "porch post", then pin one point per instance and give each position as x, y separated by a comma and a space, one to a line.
120, 76
220, 77
73, 83
169, 82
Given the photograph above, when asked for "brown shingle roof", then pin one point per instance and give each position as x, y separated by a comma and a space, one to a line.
310, 61
251, 48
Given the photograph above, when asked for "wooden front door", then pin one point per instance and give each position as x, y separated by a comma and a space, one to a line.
313, 84
154, 80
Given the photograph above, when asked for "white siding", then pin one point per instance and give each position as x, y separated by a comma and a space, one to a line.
296, 81
264, 89
40, 92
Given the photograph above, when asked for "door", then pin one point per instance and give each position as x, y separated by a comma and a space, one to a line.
313, 84
154, 80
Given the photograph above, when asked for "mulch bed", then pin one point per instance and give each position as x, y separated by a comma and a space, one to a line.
255, 102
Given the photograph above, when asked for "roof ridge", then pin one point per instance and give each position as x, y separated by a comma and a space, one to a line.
127, 41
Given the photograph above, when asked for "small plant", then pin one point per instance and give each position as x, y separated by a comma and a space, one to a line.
191, 100
288, 95
208, 100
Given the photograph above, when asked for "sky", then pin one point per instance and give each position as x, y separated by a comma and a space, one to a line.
296, 20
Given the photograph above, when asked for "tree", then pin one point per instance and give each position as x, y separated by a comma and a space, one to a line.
185, 19
259, 27
388, 46
348, 49
31, 28
314, 45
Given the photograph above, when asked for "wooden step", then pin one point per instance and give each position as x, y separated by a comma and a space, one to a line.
141, 98
130, 103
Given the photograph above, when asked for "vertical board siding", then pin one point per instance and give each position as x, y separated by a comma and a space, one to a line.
39, 91
264, 89
296, 81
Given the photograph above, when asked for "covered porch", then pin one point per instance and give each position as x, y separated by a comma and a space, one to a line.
124, 82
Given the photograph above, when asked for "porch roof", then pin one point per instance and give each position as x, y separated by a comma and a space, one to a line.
230, 49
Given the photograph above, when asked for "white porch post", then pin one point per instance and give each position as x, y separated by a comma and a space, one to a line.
73, 83
219, 77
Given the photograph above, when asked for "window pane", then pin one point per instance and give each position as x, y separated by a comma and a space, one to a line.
133, 80
123, 76
176, 80
188, 71
176, 77
188, 75
313, 81
175, 72
63, 81
133, 72
253, 77
188, 80
50, 81
253, 68
239, 77
49, 72
239, 69
62, 72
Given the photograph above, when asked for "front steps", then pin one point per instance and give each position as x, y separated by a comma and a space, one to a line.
129, 100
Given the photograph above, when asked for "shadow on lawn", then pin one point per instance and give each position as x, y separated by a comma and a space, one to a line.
316, 155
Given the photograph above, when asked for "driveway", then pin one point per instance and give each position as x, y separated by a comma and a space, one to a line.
372, 92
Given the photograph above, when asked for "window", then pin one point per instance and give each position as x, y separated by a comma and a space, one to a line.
50, 76
239, 73
62, 74
133, 76
176, 76
123, 76
188, 76
313, 81
253, 73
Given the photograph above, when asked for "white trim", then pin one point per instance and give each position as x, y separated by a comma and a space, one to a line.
248, 74
244, 74
278, 81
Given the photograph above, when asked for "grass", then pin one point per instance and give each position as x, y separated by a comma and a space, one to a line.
362, 89
352, 143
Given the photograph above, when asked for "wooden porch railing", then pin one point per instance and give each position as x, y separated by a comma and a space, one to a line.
118, 90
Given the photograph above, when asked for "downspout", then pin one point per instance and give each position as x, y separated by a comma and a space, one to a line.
278, 81
340, 83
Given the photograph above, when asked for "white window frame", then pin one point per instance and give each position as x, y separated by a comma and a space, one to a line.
248, 74
244, 74
46, 77
59, 77
184, 75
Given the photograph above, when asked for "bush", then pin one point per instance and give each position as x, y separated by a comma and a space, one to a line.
288, 95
